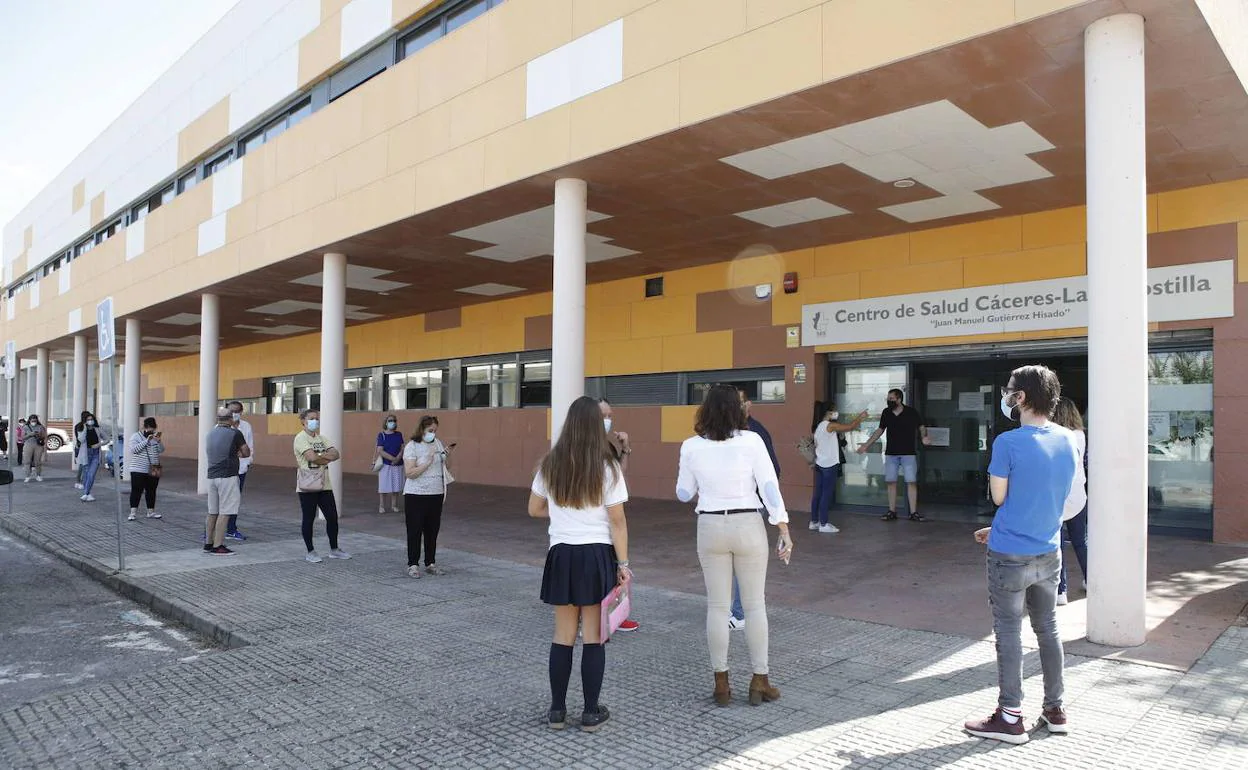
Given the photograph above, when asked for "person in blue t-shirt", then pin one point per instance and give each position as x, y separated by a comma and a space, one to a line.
1030, 474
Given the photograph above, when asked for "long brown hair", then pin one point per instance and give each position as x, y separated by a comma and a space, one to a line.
720, 415
424, 423
1066, 414
575, 469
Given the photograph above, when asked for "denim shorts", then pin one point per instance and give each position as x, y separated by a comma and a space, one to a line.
908, 465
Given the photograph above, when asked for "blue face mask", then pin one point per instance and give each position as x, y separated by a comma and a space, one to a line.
429, 437
314, 424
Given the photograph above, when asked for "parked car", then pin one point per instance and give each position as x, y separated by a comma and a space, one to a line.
60, 433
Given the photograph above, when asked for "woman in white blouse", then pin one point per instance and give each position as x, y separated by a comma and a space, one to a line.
424, 490
726, 467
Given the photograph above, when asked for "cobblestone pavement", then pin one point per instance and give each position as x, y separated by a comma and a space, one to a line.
351, 664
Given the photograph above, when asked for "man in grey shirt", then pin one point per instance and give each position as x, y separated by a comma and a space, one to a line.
225, 446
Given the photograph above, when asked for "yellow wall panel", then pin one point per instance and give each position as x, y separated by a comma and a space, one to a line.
404, 11
608, 323
589, 15
450, 177
638, 108
691, 352
760, 12
79, 196
667, 30
787, 308
1152, 213
284, 424
390, 100
676, 423
1199, 206
660, 316
452, 65
1030, 9
1055, 228
1032, 265
1243, 251
240, 221
1050, 334
537, 145
688, 282
520, 32
593, 359
421, 138
636, 356
776, 59
319, 49
204, 132
993, 236
97, 209
933, 276
489, 107
835, 259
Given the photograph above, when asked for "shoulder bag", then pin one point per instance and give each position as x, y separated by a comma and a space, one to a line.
806, 448
310, 480
153, 469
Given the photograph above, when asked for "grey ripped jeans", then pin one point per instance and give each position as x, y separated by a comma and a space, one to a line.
1019, 585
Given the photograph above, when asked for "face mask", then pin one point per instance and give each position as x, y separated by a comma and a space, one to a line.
429, 437
236, 416
313, 424
1010, 412
834, 416
148, 432
892, 404
391, 425
606, 423
90, 423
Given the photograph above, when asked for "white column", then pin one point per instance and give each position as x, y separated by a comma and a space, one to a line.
134, 366
333, 349
78, 402
567, 376
209, 349
1117, 330
41, 383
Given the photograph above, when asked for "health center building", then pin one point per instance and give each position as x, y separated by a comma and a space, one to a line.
485, 208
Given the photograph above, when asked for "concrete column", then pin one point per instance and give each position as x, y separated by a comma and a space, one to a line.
134, 365
567, 376
1117, 330
333, 353
78, 402
209, 350
42, 377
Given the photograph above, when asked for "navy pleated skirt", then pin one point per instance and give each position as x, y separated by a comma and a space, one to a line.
582, 575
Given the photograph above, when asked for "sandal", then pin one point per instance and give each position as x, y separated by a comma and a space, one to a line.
890, 516
917, 517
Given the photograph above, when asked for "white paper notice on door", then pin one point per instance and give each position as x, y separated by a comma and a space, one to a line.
939, 436
1159, 425
939, 391
971, 402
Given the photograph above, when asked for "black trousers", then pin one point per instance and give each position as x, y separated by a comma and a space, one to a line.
424, 519
309, 502
143, 485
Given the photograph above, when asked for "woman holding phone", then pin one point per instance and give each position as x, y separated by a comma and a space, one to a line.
424, 491
727, 468
580, 487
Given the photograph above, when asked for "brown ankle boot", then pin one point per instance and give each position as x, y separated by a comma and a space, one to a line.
723, 693
761, 690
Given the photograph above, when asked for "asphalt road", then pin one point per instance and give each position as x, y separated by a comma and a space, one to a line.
59, 629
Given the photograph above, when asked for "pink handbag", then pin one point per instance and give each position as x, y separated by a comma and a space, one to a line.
615, 609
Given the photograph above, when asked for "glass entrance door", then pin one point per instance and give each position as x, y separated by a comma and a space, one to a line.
958, 404
859, 388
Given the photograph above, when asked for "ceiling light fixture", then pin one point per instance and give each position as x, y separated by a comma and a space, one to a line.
904, 183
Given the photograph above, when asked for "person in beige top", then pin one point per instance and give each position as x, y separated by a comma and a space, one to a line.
313, 454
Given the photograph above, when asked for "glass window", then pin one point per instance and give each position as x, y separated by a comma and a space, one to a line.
186, 182
357, 394
281, 397
254, 141
218, 163
139, 212
758, 391
162, 197
84, 247
301, 111
535, 386
416, 390
1180, 439
419, 39
307, 397
275, 129
859, 388
466, 14
490, 385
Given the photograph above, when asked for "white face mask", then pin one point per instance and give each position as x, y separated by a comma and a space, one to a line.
391, 425
90, 423
314, 424
1007, 409
236, 416
429, 436
834, 416
606, 423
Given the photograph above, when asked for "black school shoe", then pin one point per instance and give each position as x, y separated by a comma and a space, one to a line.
592, 720
557, 719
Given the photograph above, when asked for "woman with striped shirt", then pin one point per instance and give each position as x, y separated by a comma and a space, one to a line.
144, 463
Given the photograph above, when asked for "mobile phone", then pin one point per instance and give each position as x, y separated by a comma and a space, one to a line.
452, 445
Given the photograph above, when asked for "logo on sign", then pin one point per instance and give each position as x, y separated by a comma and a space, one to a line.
104, 321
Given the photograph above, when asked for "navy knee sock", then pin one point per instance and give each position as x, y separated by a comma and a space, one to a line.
560, 674
593, 666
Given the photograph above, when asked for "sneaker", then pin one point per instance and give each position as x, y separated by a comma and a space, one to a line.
154, 515
1062, 600
592, 720
381, 509
629, 625
997, 729
26, 480
38, 478
338, 553
313, 558
1055, 719
235, 535
828, 529
814, 526
394, 509
133, 516
735, 623
557, 719
221, 551
433, 569
413, 571
78, 485
208, 548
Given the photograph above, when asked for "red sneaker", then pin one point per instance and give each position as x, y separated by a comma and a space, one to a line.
628, 625
1055, 719
997, 729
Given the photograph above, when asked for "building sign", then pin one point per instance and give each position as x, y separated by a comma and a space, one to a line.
1178, 293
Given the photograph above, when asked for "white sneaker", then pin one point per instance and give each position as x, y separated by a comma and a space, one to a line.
154, 515
132, 517
736, 625
1062, 600
814, 525
38, 478
381, 509
338, 553
828, 529
26, 480
78, 485
313, 558
413, 571
88, 498
394, 510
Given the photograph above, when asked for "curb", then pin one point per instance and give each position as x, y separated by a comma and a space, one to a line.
170, 609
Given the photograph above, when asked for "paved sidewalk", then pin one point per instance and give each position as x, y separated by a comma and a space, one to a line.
352, 664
